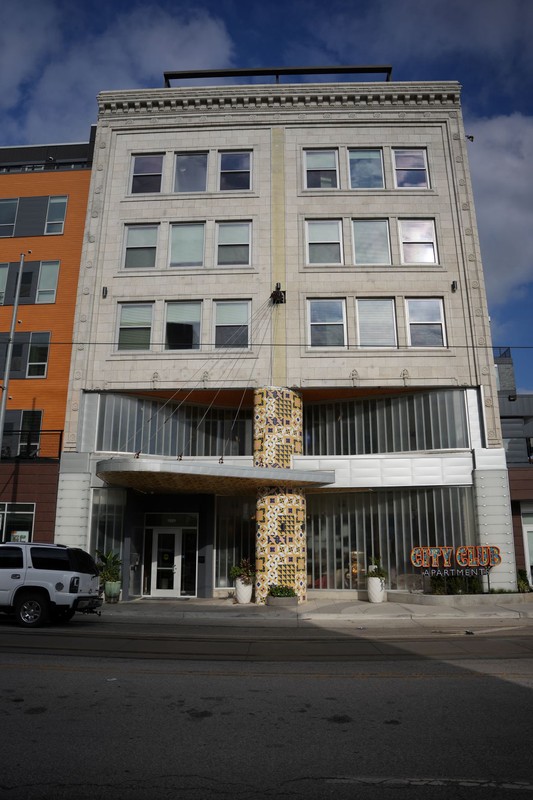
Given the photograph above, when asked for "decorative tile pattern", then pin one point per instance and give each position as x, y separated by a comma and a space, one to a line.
280, 514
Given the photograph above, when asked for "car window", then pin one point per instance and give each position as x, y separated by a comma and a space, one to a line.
80, 561
11, 558
50, 558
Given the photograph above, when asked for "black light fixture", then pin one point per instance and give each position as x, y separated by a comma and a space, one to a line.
104, 292
454, 286
512, 398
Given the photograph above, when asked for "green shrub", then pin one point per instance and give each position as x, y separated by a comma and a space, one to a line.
281, 591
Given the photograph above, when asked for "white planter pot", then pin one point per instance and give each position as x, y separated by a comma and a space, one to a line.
376, 590
243, 591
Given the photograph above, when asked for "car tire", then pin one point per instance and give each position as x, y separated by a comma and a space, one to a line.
32, 610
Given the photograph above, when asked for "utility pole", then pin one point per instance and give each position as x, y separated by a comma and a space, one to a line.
9, 352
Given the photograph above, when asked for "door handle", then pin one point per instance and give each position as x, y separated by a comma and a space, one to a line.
16, 575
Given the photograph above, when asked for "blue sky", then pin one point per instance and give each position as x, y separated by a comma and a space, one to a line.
56, 55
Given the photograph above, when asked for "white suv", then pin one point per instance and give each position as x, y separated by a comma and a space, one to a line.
42, 582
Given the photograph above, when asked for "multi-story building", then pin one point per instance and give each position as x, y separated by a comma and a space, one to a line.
43, 202
516, 411
284, 348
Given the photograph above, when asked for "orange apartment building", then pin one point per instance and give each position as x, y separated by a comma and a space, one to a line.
43, 204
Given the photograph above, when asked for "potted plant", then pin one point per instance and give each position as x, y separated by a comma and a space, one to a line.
109, 565
281, 596
243, 574
375, 582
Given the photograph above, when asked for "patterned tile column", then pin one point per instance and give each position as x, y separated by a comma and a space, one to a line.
280, 552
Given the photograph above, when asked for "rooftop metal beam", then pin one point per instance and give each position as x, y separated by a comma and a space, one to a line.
275, 72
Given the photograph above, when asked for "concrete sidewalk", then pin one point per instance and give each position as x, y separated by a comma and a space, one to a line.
327, 611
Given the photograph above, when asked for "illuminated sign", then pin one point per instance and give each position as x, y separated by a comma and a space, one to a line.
469, 559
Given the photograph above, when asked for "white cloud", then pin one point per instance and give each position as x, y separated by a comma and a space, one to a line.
500, 162
133, 51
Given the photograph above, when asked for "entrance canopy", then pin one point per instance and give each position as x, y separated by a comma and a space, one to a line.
156, 476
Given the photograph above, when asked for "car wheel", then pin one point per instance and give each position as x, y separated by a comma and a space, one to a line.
32, 610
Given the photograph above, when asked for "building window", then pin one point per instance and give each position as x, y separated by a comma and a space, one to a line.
16, 525
235, 171
47, 282
191, 172
147, 174
410, 169
418, 241
8, 216
366, 169
321, 169
4, 272
182, 330
371, 241
135, 326
327, 323
425, 319
38, 355
141, 246
233, 243
22, 433
55, 217
232, 322
376, 322
187, 244
324, 243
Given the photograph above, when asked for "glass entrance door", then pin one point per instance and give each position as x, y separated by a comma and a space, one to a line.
174, 562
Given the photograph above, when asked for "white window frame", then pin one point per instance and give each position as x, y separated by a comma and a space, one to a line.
396, 169
40, 364
438, 320
226, 225
183, 224
362, 221
131, 247
5, 201
198, 305
311, 324
309, 224
53, 200
421, 241
4, 275
218, 304
47, 295
313, 170
133, 175
221, 172
121, 326
392, 321
362, 150
190, 154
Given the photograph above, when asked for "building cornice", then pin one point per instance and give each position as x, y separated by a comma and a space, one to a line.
322, 96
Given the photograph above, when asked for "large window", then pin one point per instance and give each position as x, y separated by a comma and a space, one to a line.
8, 215
182, 331
327, 323
191, 172
410, 168
425, 318
135, 327
235, 171
141, 246
418, 241
30, 354
38, 282
366, 169
376, 322
232, 322
324, 241
345, 531
22, 434
233, 243
417, 422
371, 241
4, 272
321, 169
187, 244
147, 174
16, 525
55, 217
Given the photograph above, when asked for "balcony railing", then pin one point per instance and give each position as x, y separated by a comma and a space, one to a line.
29, 445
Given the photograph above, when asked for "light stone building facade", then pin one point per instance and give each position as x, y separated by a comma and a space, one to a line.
282, 341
